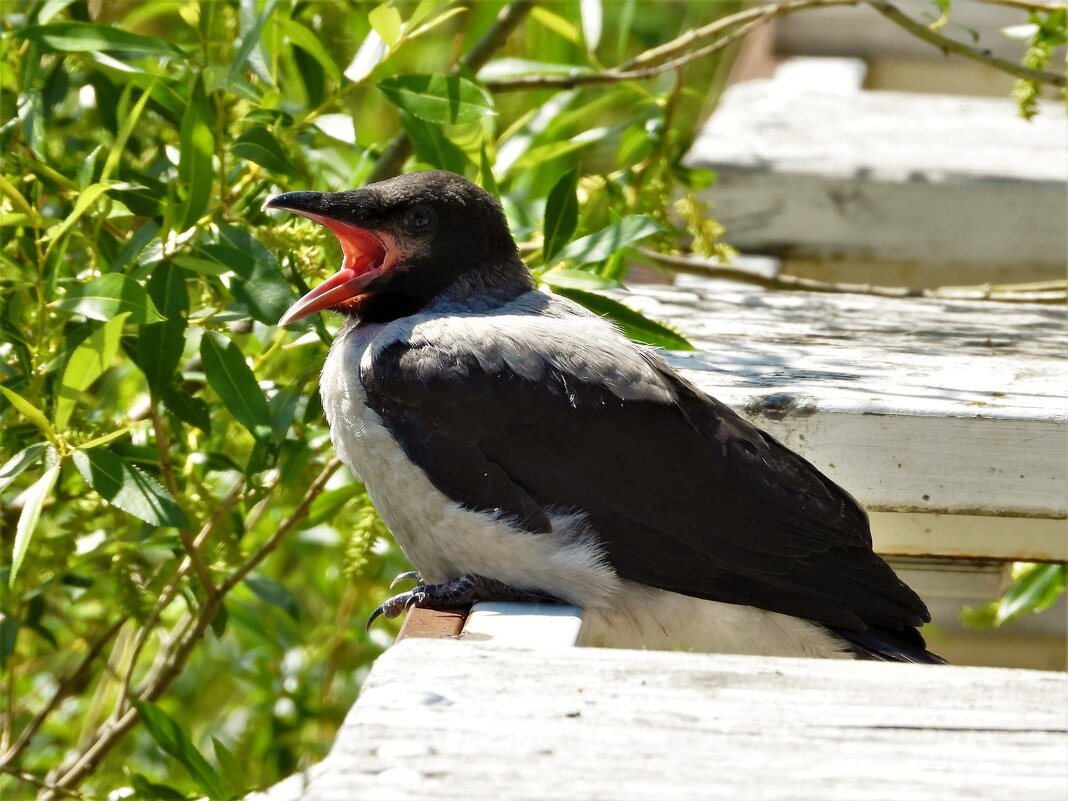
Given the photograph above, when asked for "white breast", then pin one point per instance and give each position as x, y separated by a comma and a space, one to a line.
440, 538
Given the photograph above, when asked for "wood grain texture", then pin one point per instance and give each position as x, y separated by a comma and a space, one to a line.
916, 406
421, 623
445, 719
893, 177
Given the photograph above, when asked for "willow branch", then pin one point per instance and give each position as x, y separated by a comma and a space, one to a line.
1025, 5
179, 649
1053, 292
65, 688
400, 146
947, 45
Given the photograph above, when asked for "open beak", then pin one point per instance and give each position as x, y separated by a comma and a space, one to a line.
366, 257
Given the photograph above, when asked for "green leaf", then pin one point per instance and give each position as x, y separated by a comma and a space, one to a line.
561, 213
438, 98
30, 412
262, 288
485, 174
33, 501
547, 152
108, 296
104, 439
188, 409
634, 324
271, 592
577, 279
128, 488
386, 22
85, 37
555, 23
432, 147
86, 198
600, 245
258, 145
233, 381
9, 636
195, 171
1034, 589
232, 773
170, 737
309, 43
160, 345
14, 466
330, 503
86, 365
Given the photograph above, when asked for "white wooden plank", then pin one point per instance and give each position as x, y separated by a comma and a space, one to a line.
439, 719
890, 177
541, 626
912, 405
862, 32
1014, 539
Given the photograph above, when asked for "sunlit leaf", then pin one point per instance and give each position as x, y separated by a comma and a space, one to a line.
577, 279
432, 147
592, 22
258, 145
561, 213
485, 174
30, 412
85, 365
14, 466
129, 488
311, 44
33, 502
1035, 588
634, 324
160, 345
86, 198
555, 23
89, 38
369, 56
386, 22
230, 769
108, 296
195, 164
170, 737
233, 381
600, 245
438, 98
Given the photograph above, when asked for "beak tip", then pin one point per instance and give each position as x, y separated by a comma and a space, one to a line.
269, 203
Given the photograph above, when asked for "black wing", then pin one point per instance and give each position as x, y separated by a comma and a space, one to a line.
686, 495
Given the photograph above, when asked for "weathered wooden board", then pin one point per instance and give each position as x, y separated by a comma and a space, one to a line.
527, 625
806, 172
914, 406
444, 719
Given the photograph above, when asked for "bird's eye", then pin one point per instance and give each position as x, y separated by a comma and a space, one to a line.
419, 218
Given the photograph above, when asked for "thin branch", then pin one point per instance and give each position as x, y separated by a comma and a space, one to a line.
400, 147
1025, 5
1054, 292
65, 688
111, 733
29, 778
947, 45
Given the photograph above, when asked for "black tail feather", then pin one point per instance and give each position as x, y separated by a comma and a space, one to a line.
888, 646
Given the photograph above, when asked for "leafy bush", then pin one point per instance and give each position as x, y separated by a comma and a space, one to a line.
180, 548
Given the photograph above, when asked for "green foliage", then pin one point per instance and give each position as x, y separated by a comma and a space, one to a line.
1046, 31
184, 574
1035, 588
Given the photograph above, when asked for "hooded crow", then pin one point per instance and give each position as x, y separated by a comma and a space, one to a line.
520, 447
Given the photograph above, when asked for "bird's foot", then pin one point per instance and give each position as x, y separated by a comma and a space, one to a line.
454, 594
411, 575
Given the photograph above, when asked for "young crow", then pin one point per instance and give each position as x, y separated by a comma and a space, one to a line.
519, 447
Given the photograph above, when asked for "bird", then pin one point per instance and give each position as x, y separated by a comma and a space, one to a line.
520, 447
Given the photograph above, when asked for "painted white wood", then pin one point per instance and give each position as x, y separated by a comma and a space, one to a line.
541, 626
443, 719
916, 406
862, 32
1014, 539
806, 172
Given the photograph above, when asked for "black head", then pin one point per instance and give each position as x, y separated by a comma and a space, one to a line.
406, 241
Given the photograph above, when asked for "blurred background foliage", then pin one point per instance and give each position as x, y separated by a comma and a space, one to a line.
184, 570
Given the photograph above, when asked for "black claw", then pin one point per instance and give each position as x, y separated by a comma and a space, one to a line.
411, 575
374, 616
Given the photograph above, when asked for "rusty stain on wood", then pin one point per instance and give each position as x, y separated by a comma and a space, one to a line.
432, 623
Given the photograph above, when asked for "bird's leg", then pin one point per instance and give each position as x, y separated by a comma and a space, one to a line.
458, 592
